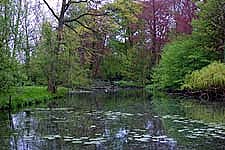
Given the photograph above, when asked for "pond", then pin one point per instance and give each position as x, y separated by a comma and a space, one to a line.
125, 120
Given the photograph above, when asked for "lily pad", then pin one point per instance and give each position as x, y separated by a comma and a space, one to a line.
84, 138
142, 139
68, 140
77, 142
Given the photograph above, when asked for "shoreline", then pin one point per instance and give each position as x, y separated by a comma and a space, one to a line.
19, 97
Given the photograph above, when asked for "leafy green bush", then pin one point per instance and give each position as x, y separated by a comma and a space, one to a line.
209, 27
136, 66
127, 63
111, 67
123, 83
28, 94
11, 73
211, 76
178, 59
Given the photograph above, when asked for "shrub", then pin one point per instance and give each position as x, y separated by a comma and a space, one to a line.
211, 76
179, 58
137, 66
123, 83
111, 67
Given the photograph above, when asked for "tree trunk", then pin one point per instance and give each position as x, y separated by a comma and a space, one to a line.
52, 81
51, 86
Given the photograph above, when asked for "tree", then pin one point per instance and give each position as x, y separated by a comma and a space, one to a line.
63, 20
9, 43
70, 73
119, 63
210, 27
179, 59
161, 17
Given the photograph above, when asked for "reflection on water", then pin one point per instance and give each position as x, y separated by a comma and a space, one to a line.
127, 120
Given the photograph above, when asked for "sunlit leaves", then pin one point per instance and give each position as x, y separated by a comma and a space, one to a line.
211, 76
179, 59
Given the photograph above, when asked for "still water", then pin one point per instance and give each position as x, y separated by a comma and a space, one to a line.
125, 120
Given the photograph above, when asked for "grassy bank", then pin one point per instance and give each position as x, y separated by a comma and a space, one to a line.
28, 95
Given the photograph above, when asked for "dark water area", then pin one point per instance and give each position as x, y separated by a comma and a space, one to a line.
125, 120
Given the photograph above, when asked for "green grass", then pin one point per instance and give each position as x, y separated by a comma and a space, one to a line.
28, 95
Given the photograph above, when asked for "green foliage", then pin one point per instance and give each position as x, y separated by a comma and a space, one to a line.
136, 66
179, 59
111, 67
182, 57
8, 65
211, 76
28, 95
123, 14
124, 11
6, 78
129, 64
11, 73
123, 83
69, 71
41, 60
128, 61
78, 77
209, 28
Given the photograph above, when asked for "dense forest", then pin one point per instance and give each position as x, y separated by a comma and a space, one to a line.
168, 45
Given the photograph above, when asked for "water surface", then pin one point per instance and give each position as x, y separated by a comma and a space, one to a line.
126, 120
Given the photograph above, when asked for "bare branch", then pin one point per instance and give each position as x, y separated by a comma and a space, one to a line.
83, 25
73, 2
52, 11
85, 14
70, 27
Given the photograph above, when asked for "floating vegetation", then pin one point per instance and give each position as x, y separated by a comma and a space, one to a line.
142, 139
92, 142
77, 142
182, 130
57, 136
96, 139
42, 109
191, 136
140, 114
163, 142
98, 134
76, 139
93, 126
113, 128
130, 138
140, 130
62, 109
68, 140
155, 140
49, 137
159, 137
137, 136
84, 138
127, 114
203, 129
68, 137
147, 136
28, 138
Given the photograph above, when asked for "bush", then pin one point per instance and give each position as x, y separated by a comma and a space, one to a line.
211, 76
136, 66
179, 59
22, 96
123, 83
111, 67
